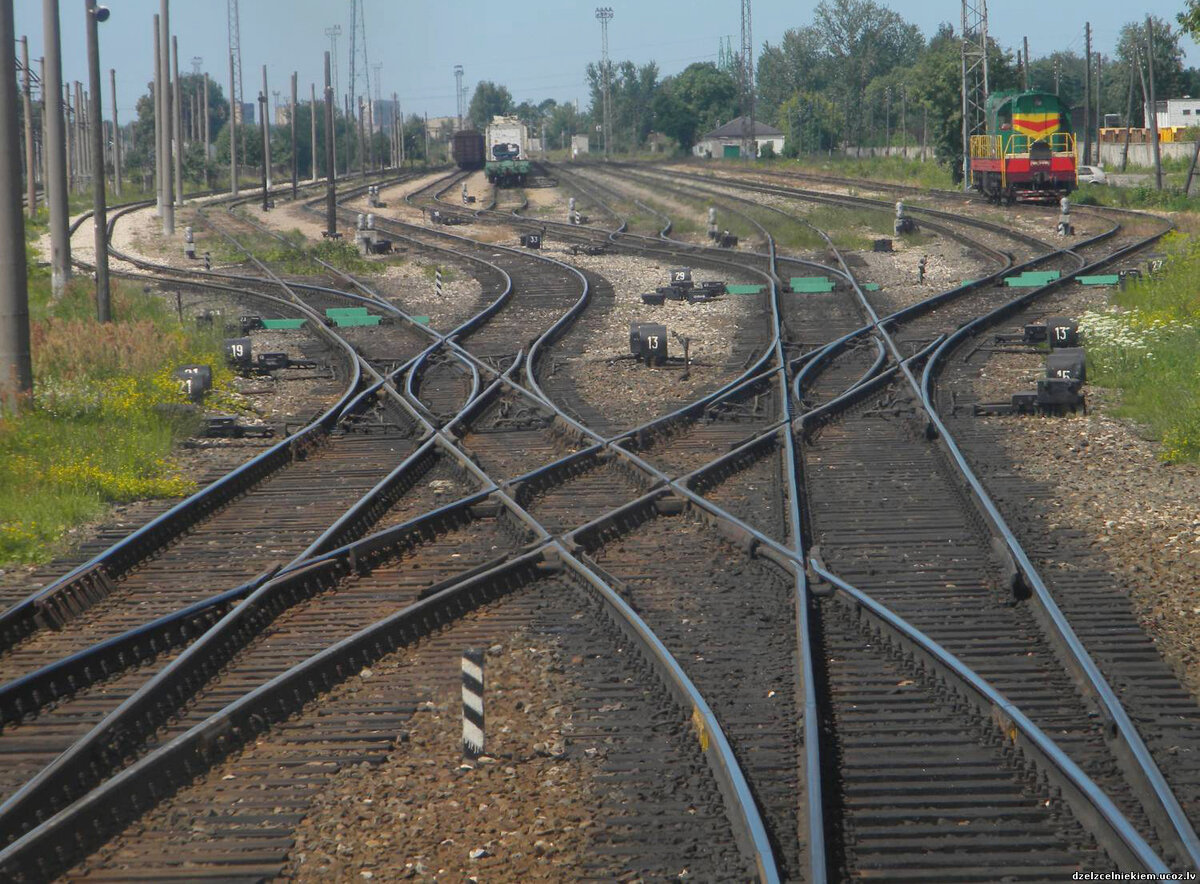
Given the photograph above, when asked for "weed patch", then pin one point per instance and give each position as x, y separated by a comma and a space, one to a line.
104, 415
1147, 347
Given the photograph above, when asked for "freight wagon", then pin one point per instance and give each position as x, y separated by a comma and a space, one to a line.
507, 146
467, 149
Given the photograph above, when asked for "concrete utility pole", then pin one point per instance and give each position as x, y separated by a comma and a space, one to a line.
234, 113
158, 118
292, 120
177, 122
362, 158
55, 148
266, 181
313, 121
1129, 114
112, 78
1099, 99
95, 15
266, 128
330, 171
69, 123
16, 366
1087, 93
207, 129
165, 154
27, 108
1025, 65
1153, 103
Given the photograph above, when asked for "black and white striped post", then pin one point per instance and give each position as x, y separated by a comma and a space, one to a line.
472, 702
437, 287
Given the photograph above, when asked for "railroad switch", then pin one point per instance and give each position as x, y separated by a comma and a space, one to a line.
585, 249
1059, 392
1057, 331
226, 426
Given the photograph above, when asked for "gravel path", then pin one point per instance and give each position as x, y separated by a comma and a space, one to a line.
521, 812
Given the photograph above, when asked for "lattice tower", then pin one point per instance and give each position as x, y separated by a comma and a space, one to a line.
747, 84
974, 77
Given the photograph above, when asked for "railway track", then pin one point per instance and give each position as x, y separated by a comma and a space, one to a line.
686, 548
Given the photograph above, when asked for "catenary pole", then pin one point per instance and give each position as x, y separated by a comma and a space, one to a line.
234, 113
55, 148
168, 175
313, 123
16, 367
330, 169
112, 77
27, 108
177, 122
292, 120
99, 206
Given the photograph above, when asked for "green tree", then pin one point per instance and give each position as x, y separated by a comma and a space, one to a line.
863, 40
796, 64
489, 101
695, 100
632, 91
1132, 49
935, 84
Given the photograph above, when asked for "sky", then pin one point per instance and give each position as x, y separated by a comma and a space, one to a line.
537, 50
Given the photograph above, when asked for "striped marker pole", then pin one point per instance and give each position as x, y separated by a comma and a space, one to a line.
472, 702
437, 288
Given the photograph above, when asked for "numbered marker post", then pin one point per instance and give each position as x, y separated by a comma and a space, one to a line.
237, 351
472, 702
1062, 332
194, 380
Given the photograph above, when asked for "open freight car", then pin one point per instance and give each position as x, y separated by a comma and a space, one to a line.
1028, 152
467, 149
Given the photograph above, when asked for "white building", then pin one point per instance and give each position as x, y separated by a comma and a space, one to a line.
726, 141
1175, 112
579, 144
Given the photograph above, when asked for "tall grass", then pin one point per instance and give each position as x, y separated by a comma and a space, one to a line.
894, 170
104, 415
1147, 346
294, 253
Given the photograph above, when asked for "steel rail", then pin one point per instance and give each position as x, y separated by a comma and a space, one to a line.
1131, 851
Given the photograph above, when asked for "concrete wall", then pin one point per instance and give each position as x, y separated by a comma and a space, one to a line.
1143, 154
912, 152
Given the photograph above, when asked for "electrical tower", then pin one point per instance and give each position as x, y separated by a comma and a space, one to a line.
197, 64
333, 33
749, 145
358, 46
235, 50
458, 91
974, 77
726, 60
604, 15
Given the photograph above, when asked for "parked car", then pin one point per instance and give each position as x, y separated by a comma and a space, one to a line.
1092, 175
